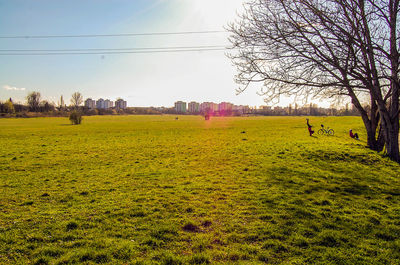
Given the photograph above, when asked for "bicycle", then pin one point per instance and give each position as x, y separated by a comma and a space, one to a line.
327, 131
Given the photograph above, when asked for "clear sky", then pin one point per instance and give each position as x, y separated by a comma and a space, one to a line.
156, 79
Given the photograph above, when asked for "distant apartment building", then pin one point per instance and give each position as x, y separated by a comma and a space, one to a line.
225, 106
207, 107
193, 107
215, 107
120, 104
100, 104
108, 104
180, 107
90, 103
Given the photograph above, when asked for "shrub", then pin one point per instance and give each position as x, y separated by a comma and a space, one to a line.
75, 117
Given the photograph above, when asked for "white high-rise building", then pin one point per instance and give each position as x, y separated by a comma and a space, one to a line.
225, 106
180, 107
100, 104
194, 107
207, 107
90, 103
120, 104
108, 104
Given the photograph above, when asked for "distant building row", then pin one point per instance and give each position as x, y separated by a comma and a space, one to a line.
208, 107
105, 104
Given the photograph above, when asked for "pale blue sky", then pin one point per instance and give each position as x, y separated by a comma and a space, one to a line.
141, 79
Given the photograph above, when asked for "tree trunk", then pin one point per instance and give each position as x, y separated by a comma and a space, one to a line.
392, 145
393, 133
371, 121
390, 129
381, 139
373, 142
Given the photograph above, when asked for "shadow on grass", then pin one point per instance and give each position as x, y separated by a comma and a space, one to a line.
69, 124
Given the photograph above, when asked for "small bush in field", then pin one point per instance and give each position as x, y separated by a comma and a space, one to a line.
75, 117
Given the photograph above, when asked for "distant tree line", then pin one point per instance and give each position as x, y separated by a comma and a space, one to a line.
291, 110
36, 107
307, 110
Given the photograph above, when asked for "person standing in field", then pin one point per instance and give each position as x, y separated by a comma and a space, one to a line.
353, 135
309, 128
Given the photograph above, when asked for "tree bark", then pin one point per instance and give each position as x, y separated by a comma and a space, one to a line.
392, 145
374, 140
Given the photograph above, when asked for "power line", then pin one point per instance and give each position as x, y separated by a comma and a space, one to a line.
112, 35
114, 52
113, 49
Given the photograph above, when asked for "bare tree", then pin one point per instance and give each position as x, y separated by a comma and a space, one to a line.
33, 100
76, 99
325, 49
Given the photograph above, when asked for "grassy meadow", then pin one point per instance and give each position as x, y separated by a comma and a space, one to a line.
155, 190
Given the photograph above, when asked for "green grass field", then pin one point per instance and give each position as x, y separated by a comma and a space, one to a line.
155, 190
